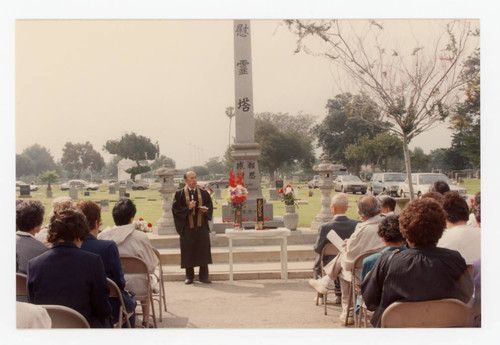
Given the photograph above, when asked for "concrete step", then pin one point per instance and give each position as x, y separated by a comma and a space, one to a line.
245, 271
299, 236
247, 254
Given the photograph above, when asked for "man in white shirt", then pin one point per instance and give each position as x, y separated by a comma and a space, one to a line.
364, 239
458, 235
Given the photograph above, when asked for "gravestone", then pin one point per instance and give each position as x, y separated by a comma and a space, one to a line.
112, 189
278, 184
73, 193
273, 194
217, 194
104, 205
121, 191
86, 193
24, 192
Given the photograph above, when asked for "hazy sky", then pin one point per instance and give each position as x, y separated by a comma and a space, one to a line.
169, 80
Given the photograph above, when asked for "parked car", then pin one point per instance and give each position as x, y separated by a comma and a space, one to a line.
33, 187
131, 184
80, 184
387, 182
314, 182
350, 183
221, 183
422, 182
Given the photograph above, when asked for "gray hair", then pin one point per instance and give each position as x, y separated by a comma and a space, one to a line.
340, 200
60, 201
368, 206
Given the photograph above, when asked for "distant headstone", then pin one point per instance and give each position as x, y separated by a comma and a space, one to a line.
24, 191
217, 194
273, 194
127, 195
105, 205
279, 184
73, 193
112, 190
86, 193
121, 191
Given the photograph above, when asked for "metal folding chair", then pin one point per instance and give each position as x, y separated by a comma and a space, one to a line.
134, 265
160, 297
123, 315
446, 312
328, 249
65, 317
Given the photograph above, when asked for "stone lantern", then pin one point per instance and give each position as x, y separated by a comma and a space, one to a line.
325, 184
165, 225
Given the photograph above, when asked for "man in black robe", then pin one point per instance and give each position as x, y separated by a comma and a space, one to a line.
192, 209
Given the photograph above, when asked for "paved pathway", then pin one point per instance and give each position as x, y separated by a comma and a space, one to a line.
246, 304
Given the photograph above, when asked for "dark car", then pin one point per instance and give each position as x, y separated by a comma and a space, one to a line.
131, 184
222, 183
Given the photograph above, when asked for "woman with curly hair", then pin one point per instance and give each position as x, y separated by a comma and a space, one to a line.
67, 275
422, 272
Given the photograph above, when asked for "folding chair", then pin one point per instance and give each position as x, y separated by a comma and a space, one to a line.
446, 312
160, 296
355, 284
21, 286
65, 317
134, 265
123, 315
328, 249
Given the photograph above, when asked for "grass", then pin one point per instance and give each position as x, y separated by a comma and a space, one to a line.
149, 202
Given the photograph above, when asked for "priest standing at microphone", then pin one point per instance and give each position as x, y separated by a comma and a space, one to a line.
192, 209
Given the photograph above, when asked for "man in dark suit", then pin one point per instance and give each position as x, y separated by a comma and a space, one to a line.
192, 209
343, 226
67, 275
108, 251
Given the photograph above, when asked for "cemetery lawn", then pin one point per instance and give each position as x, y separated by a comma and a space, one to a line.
149, 203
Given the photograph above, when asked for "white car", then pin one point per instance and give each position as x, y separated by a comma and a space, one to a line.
350, 183
387, 182
422, 182
80, 184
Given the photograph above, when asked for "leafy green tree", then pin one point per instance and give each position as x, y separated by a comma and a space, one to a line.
466, 120
216, 166
24, 165
48, 177
412, 88
41, 158
419, 160
79, 157
201, 171
344, 125
159, 161
135, 147
282, 143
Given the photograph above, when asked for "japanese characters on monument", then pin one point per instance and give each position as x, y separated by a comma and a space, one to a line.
243, 82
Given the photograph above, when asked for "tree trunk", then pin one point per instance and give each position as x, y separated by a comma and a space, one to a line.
406, 151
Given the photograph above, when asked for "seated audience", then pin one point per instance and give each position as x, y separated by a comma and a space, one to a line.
421, 273
132, 243
59, 202
458, 235
388, 229
110, 257
476, 277
440, 187
67, 275
29, 219
363, 239
387, 205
